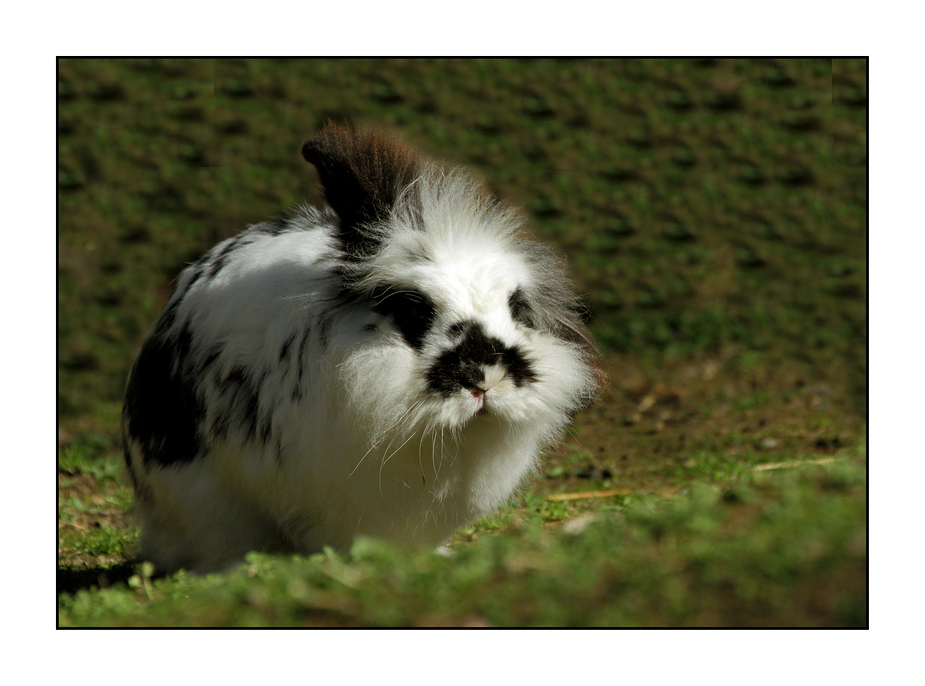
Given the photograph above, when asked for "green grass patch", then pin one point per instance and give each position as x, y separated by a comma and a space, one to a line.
785, 548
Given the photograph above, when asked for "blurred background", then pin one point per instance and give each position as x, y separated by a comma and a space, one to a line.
705, 206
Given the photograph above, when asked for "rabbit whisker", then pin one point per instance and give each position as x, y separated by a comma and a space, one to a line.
384, 434
391, 455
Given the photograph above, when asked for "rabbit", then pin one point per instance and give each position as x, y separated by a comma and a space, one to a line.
391, 365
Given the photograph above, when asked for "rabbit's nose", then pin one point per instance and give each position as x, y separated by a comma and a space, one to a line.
487, 378
477, 363
492, 374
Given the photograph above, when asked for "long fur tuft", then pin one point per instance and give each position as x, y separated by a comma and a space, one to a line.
363, 175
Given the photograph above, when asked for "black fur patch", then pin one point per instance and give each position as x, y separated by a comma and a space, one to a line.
161, 404
458, 329
325, 323
213, 355
521, 312
197, 272
363, 175
462, 366
412, 312
284, 350
221, 259
240, 412
303, 344
168, 316
274, 227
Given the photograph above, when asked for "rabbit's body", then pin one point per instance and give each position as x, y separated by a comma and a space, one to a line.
391, 368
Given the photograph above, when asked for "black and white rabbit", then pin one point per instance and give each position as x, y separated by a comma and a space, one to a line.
390, 366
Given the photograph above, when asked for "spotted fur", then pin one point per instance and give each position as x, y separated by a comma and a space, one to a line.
392, 365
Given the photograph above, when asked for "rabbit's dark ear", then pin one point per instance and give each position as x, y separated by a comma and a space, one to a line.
363, 174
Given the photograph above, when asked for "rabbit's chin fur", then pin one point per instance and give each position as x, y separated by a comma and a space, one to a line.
320, 377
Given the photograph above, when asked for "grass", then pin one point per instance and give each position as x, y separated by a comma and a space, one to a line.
740, 554
714, 213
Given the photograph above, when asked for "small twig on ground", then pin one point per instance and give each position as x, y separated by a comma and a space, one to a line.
793, 463
590, 494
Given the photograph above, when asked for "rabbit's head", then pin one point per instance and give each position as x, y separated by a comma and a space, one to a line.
468, 320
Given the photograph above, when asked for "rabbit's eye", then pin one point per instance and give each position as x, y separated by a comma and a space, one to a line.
521, 312
412, 312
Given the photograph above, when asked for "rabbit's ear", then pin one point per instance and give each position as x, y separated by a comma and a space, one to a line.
363, 175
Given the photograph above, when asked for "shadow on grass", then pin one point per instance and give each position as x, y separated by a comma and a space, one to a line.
71, 580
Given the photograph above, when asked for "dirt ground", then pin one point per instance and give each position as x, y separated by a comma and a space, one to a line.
652, 428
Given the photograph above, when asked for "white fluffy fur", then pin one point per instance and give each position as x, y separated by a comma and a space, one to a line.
359, 445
